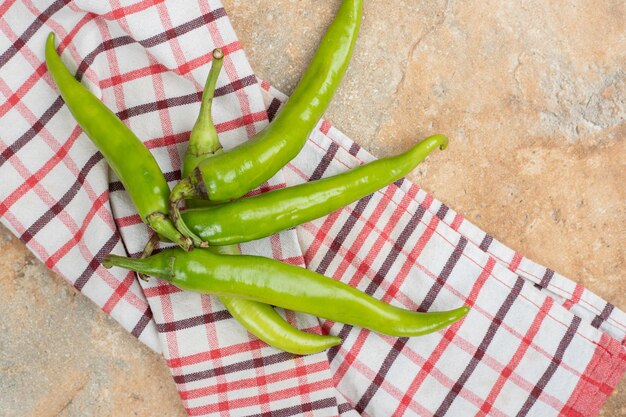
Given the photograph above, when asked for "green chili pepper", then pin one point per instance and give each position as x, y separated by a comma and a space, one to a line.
126, 154
268, 213
259, 319
288, 286
233, 173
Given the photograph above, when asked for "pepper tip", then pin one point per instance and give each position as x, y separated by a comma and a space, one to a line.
50, 44
143, 277
187, 244
218, 53
184, 189
463, 311
106, 262
443, 142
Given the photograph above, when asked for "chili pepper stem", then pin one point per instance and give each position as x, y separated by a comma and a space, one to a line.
153, 242
141, 265
195, 155
161, 223
183, 190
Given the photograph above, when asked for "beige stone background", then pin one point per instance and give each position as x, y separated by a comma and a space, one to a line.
532, 95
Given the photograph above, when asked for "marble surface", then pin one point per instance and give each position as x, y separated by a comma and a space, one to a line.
533, 97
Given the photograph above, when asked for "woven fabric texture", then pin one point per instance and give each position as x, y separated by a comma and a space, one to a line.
534, 344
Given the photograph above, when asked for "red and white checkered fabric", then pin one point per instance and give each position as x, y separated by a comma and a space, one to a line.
534, 344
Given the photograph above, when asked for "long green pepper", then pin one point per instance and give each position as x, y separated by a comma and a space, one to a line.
235, 172
265, 214
272, 282
131, 161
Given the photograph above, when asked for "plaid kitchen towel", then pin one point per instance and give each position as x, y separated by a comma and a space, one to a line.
534, 344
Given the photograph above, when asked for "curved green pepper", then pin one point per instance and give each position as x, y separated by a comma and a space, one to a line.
235, 172
268, 213
283, 285
265, 323
125, 153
